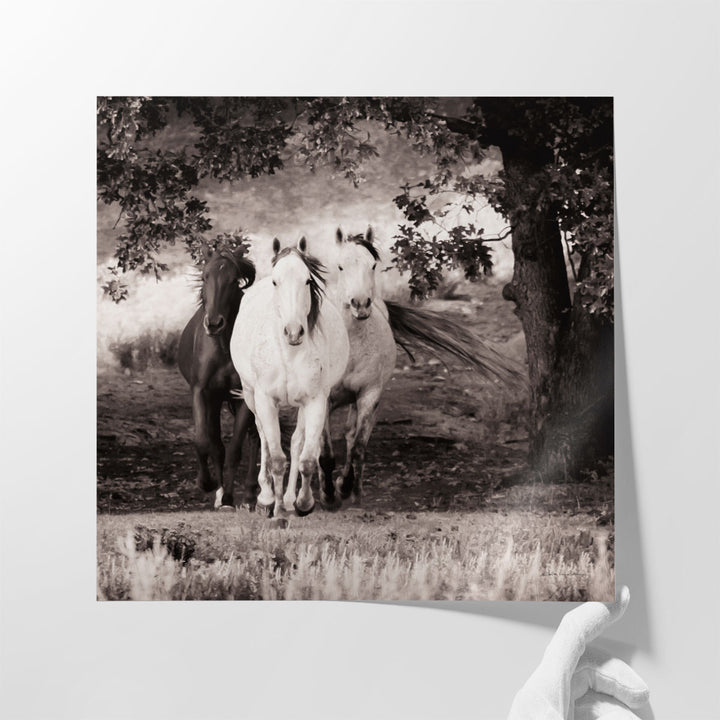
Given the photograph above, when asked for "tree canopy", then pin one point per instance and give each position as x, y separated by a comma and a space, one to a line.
567, 143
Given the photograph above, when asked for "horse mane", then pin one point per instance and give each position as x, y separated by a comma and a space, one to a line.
244, 269
317, 281
367, 244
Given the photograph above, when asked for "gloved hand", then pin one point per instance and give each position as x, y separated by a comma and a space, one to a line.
574, 682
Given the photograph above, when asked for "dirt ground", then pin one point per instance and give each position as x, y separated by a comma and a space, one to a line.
444, 439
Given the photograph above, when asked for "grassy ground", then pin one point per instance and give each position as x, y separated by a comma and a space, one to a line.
358, 555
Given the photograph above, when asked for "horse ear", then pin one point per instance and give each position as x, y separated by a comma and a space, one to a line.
369, 234
206, 251
276, 246
339, 236
302, 244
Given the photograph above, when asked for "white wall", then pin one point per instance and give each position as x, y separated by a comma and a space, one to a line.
64, 655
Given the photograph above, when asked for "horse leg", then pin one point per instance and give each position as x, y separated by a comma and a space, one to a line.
328, 498
314, 414
269, 426
201, 414
264, 501
367, 405
347, 476
225, 495
217, 448
296, 446
251, 483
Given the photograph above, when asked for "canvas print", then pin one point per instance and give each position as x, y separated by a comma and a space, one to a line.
355, 348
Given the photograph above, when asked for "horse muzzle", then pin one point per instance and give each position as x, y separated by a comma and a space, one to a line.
213, 326
361, 308
294, 334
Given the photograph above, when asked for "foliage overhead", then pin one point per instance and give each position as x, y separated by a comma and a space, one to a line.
566, 143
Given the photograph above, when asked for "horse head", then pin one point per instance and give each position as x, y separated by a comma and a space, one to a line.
225, 275
357, 259
298, 284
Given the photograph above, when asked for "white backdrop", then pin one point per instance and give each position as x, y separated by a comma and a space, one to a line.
65, 656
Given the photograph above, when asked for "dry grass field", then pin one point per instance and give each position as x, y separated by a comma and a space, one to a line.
356, 555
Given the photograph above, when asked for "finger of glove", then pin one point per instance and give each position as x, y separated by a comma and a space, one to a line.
530, 704
600, 671
579, 627
596, 706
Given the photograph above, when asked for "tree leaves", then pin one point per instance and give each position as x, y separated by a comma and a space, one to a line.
570, 139
426, 258
414, 209
237, 242
115, 288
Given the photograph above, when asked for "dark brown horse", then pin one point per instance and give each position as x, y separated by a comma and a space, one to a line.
204, 361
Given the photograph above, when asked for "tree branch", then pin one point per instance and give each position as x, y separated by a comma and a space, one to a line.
569, 255
501, 235
458, 125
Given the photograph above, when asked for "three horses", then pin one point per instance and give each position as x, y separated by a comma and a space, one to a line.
290, 342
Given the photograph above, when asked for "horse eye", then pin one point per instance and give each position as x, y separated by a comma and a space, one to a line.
374, 266
307, 282
339, 267
274, 283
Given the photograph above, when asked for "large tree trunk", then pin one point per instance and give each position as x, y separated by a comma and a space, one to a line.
569, 352
580, 426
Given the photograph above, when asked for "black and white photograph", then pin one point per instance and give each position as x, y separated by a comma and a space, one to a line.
355, 348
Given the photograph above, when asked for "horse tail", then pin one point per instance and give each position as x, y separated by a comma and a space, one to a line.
436, 333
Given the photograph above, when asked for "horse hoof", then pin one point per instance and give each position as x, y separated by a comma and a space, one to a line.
266, 510
207, 485
226, 508
344, 489
345, 484
278, 523
249, 507
327, 465
332, 504
302, 513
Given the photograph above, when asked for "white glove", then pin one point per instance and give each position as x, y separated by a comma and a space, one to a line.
573, 682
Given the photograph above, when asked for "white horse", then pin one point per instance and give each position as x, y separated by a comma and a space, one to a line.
373, 354
290, 349
374, 327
